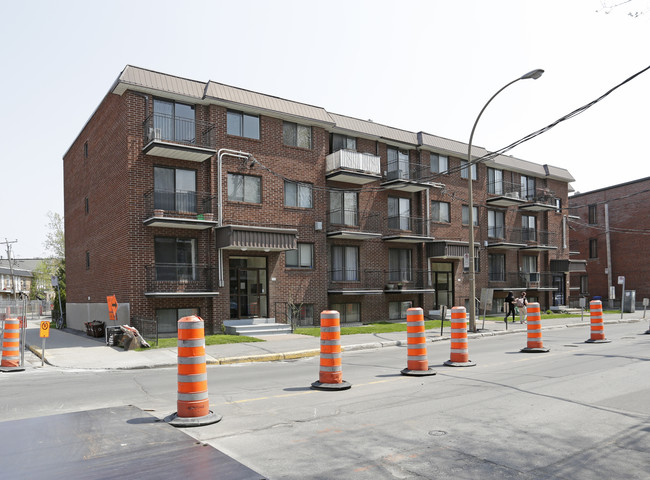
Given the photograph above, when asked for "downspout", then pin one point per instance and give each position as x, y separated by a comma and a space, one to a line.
220, 154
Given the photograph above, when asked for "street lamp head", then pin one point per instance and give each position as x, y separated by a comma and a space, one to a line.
535, 74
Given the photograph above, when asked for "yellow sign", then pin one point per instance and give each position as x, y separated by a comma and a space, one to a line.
45, 329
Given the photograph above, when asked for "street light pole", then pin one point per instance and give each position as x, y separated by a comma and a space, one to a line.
535, 74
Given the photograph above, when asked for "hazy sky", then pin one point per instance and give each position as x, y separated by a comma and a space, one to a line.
425, 65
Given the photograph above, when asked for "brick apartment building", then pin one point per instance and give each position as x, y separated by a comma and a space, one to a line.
609, 228
190, 197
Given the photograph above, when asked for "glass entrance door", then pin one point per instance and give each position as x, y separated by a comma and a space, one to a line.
248, 287
558, 284
443, 283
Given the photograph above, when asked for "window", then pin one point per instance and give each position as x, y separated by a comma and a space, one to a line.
296, 135
167, 318
527, 187
302, 314
302, 257
593, 248
86, 150
174, 189
584, 284
345, 263
528, 228
297, 194
86, 206
87, 260
175, 259
399, 265
495, 181
439, 163
398, 164
497, 267
174, 121
440, 212
399, 213
343, 208
243, 125
465, 218
529, 268
244, 188
558, 205
397, 310
496, 220
463, 170
343, 142
593, 218
348, 312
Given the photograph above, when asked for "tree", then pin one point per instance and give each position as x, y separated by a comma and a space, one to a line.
55, 246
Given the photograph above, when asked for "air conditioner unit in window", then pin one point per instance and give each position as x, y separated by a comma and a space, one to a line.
512, 194
155, 134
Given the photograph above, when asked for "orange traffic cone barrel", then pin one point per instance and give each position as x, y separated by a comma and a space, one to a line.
330, 376
597, 326
11, 346
417, 364
459, 351
193, 403
534, 344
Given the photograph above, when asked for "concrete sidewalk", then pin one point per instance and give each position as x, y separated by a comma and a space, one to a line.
76, 350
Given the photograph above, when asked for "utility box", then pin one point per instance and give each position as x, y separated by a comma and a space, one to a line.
629, 301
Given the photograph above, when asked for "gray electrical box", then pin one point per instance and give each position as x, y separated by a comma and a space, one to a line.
629, 301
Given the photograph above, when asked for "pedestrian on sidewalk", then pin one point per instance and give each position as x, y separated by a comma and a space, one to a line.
521, 305
510, 303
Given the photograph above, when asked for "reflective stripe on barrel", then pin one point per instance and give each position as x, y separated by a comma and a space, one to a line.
416, 341
192, 398
11, 343
596, 313
459, 351
534, 326
330, 347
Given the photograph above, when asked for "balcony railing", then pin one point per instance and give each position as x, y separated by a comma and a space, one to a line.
414, 225
178, 130
351, 219
179, 278
417, 172
386, 280
351, 160
180, 204
521, 279
502, 187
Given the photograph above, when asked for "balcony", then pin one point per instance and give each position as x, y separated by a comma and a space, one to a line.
180, 209
178, 138
517, 280
180, 280
538, 240
505, 238
353, 224
374, 282
403, 228
504, 194
543, 200
414, 177
352, 167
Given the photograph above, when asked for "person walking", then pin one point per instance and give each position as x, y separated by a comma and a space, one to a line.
521, 304
510, 302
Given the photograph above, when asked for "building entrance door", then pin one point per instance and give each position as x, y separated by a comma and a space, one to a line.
248, 287
443, 283
558, 284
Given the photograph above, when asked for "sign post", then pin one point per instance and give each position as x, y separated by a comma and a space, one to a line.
621, 281
583, 304
45, 333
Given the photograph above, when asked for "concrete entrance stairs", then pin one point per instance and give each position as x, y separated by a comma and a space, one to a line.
253, 327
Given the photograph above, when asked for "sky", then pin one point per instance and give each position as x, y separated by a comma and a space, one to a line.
418, 65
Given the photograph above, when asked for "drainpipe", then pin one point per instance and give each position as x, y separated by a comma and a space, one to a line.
224, 152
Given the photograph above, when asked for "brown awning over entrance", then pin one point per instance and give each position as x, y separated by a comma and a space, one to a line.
244, 237
449, 249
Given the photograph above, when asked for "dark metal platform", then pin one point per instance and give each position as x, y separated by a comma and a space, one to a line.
110, 443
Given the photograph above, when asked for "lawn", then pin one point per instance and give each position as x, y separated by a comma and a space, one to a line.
209, 340
382, 327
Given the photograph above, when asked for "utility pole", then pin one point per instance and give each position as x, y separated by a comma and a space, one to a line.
609, 259
11, 267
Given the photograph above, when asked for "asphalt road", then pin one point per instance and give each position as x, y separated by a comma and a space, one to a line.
580, 411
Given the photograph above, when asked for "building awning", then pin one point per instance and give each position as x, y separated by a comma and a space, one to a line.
245, 237
450, 249
564, 266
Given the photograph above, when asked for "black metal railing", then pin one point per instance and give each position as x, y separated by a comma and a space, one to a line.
414, 225
180, 277
185, 131
387, 280
521, 279
181, 204
417, 172
362, 220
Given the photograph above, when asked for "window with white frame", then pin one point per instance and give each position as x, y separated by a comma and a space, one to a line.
465, 218
527, 187
440, 212
399, 213
399, 265
343, 142
496, 221
243, 124
463, 170
301, 257
344, 208
495, 181
345, 263
244, 188
296, 135
439, 163
297, 194
528, 228
398, 163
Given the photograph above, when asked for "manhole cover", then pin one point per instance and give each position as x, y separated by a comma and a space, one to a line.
437, 433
